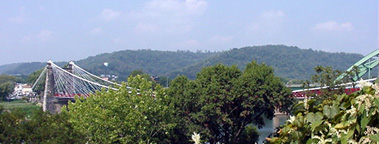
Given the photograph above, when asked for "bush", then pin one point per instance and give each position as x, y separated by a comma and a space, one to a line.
346, 119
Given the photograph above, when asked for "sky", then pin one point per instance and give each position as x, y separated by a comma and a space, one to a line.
40, 30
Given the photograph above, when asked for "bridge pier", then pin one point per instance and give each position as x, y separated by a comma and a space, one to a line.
60, 102
278, 118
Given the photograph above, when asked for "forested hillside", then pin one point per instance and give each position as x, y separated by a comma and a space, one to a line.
152, 62
288, 61
24, 68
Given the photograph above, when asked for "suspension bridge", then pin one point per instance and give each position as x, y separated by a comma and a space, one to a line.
62, 84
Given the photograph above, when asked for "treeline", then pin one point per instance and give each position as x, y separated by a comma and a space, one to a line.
288, 62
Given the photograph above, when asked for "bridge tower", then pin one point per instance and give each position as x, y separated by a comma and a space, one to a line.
71, 81
50, 102
62, 84
48, 96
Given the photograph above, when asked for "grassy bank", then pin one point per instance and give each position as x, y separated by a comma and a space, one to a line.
19, 104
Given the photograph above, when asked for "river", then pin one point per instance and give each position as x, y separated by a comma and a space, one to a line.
269, 127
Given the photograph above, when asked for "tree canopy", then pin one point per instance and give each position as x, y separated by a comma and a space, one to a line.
38, 127
6, 85
137, 115
222, 101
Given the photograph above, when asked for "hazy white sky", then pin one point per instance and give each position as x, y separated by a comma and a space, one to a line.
72, 30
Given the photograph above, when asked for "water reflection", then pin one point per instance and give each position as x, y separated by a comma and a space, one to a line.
270, 126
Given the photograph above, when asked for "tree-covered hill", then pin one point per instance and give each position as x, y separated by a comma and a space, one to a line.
152, 62
24, 68
288, 61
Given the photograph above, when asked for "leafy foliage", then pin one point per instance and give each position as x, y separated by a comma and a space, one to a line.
6, 85
34, 76
19, 105
223, 102
162, 80
138, 115
326, 77
6, 89
39, 127
347, 119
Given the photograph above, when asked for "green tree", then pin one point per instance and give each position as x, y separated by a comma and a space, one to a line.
31, 79
7, 78
163, 81
350, 75
222, 101
326, 77
136, 72
6, 89
6, 85
144, 76
137, 115
249, 135
44, 127
39, 127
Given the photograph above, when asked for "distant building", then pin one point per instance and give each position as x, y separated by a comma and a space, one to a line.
109, 77
22, 90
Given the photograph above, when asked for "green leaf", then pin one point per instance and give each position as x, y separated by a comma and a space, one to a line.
357, 128
297, 135
346, 137
341, 125
299, 111
375, 137
309, 141
364, 121
311, 103
330, 111
316, 124
362, 108
339, 116
376, 101
350, 134
298, 105
312, 117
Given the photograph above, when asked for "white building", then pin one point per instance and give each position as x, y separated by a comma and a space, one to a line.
22, 89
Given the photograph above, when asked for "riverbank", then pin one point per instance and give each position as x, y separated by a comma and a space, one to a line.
19, 104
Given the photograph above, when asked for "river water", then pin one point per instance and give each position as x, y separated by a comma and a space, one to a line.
269, 126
